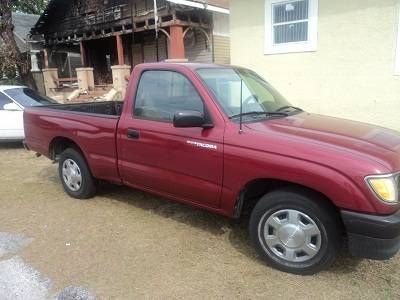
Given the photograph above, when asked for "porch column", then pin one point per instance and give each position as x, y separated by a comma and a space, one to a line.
120, 50
46, 58
34, 61
50, 77
85, 79
177, 47
120, 75
83, 53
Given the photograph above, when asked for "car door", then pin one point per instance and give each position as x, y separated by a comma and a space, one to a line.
11, 121
185, 163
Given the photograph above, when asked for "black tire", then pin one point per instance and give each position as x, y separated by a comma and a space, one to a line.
87, 184
303, 202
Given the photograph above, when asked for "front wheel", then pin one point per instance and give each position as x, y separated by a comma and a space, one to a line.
294, 231
75, 175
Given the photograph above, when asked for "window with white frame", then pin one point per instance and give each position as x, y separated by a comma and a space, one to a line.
290, 26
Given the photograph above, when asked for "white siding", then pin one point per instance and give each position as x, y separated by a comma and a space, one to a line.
221, 24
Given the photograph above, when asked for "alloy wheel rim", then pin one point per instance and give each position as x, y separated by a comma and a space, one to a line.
72, 175
291, 235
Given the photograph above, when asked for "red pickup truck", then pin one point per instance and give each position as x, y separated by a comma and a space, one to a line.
222, 139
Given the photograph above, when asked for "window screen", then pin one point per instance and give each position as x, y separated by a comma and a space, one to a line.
290, 21
161, 94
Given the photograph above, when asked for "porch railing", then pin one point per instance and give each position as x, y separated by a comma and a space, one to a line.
108, 15
111, 14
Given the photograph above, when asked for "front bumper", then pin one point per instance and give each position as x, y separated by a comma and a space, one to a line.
374, 237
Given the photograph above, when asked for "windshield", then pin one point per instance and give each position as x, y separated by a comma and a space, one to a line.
28, 97
231, 85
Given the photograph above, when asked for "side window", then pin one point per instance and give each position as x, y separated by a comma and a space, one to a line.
161, 94
4, 100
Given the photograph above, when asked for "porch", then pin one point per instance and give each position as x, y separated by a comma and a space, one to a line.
111, 42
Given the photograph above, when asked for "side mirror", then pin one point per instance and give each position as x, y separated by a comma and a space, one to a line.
11, 107
189, 118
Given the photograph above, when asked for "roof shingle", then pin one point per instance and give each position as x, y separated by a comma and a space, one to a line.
22, 26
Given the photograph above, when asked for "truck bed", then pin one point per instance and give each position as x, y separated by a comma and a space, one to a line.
92, 126
108, 108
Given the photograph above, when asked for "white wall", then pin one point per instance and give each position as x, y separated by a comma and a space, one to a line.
351, 74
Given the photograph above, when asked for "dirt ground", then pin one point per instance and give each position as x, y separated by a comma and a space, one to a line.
127, 244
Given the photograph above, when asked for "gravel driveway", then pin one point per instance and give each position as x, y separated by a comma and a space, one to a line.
127, 244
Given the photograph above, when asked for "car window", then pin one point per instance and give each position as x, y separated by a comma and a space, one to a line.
4, 100
28, 97
161, 94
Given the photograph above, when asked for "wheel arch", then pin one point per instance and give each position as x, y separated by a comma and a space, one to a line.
61, 143
256, 188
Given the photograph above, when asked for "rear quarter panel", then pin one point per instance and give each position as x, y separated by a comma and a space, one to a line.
94, 135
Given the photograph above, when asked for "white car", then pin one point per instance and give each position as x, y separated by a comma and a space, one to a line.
13, 100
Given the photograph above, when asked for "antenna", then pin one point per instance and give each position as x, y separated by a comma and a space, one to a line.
241, 107
156, 26
155, 10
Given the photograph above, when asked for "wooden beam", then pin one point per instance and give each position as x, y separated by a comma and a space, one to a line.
120, 49
177, 47
83, 53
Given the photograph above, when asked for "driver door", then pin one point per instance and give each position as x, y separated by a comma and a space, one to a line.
183, 163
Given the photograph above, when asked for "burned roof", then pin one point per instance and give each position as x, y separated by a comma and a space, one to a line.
44, 16
57, 7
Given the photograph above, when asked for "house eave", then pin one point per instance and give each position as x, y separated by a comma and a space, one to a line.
201, 5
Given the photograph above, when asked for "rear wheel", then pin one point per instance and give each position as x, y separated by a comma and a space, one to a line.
75, 175
294, 231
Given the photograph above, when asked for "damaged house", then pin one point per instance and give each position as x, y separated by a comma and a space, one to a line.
101, 34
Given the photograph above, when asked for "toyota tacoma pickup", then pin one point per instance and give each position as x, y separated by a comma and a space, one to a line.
222, 138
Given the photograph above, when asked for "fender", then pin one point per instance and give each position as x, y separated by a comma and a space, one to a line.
344, 192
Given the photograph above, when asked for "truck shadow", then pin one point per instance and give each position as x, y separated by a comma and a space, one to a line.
11, 145
233, 231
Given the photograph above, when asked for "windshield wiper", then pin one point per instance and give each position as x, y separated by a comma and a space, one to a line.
288, 106
258, 113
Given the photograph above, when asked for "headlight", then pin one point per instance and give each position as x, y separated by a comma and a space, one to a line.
385, 187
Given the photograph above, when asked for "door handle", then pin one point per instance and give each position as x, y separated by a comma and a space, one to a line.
133, 134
